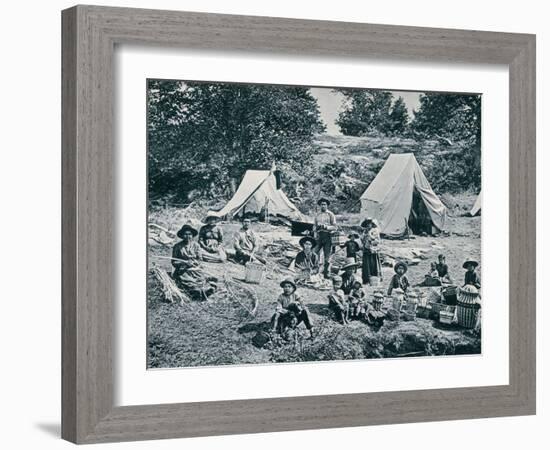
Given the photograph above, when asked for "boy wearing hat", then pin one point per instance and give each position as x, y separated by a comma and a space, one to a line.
348, 277
399, 280
290, 305
471, 277
352, 246
337, 301
324, 224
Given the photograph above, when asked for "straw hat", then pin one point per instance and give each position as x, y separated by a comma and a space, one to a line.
323, 199
468, 262
350, 262
400, 264
187, 227
378, 294
288, 281
307, 239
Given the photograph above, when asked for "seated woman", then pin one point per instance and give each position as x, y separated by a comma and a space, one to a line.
211, 241
189, 274
307, 261
290, 305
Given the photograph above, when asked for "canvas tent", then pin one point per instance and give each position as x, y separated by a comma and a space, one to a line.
258, 189
400, 198
476, 209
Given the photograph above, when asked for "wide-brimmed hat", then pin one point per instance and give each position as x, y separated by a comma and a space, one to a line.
378, 294
368, 221
400, 264
186, 227
210, 216
354, 234
323, 199
288, 281
350, 262
307, 239
468, 262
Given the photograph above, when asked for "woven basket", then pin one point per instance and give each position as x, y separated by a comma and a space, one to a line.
449, 294
468, 307
254, 273
338, 238
446, 317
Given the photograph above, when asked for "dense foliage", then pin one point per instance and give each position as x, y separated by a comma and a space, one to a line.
454, 119
367, 111
203, 136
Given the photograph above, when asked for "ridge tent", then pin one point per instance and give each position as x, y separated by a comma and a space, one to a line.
258, 189
401, 198
476, 209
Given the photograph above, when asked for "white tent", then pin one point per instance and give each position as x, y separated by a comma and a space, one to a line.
258, 189
401, 198
476, 209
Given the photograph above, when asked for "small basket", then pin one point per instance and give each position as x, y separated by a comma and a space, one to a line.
435, 309
446, 315
449, 294
423, 312
254, 273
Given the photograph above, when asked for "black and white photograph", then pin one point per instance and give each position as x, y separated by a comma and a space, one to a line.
293, 224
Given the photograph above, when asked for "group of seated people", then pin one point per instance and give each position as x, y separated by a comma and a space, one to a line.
347, 299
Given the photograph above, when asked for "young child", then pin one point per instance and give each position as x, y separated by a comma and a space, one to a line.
443, 270
432, 277
290, 309
399, 280
356, 300
471, 276
337, 301
352, 246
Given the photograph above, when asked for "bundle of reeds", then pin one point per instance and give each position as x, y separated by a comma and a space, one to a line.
171, 292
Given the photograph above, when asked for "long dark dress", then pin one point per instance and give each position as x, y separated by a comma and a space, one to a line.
371, 258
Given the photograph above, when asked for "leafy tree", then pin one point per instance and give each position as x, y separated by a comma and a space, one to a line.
456, 120
365, 111
399, 117
203, 136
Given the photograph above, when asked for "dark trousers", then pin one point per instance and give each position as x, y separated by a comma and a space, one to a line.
324, 243
281, 320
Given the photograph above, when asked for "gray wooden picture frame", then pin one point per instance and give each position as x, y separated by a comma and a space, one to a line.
89, 37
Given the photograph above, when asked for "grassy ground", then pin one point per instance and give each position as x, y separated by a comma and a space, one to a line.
222, 332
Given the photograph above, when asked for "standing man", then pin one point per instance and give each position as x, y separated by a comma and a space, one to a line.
325, 224
245, 243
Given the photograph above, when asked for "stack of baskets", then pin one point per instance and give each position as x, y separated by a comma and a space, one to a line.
468, 306
409, 311
338, 238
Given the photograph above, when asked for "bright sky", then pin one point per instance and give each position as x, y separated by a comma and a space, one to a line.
330, 104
